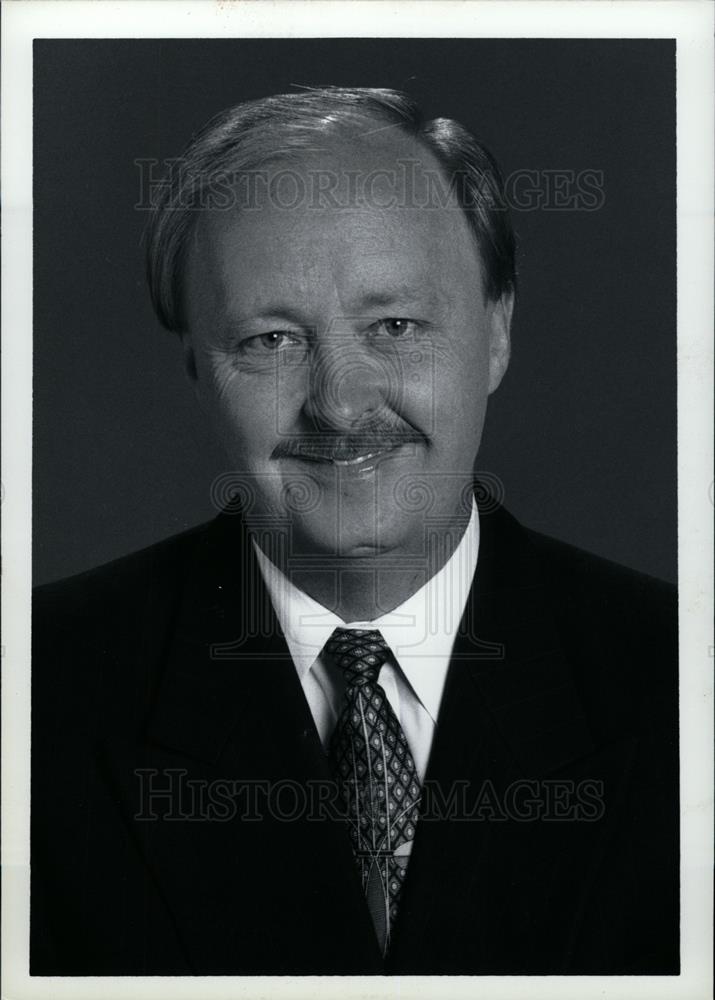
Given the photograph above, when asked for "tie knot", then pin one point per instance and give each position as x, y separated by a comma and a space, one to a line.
358, 652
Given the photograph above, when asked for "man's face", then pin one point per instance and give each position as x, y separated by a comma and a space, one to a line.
345, 354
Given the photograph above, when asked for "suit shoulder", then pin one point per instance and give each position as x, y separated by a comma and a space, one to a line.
619, 629
115, 587
577, 573
597, 601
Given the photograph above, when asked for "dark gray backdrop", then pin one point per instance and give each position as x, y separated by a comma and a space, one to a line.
582, 432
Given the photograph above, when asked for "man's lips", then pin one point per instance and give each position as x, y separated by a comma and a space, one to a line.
354, 451
343, 459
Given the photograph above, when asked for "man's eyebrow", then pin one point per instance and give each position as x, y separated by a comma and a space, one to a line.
364, 305
400, 293
271, 313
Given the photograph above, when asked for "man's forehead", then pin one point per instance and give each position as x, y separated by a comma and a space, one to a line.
373, 257
378, 168
383, 185
352, 213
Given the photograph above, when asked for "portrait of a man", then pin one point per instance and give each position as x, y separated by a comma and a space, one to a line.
363, 721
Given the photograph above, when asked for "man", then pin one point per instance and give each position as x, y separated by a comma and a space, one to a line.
357, 724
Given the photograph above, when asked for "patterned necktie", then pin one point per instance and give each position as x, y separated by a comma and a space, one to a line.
376, 775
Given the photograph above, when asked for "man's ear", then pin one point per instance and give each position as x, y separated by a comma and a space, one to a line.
500, 338
189, 359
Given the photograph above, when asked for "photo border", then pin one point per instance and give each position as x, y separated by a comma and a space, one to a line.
690, 23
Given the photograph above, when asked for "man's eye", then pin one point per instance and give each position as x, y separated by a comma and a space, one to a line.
267, 343
395, 326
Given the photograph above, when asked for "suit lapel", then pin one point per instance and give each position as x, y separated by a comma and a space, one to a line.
231, 714
510, 713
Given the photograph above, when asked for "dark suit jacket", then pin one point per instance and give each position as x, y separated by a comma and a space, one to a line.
549, 842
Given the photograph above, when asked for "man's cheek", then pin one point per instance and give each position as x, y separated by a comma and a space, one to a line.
243, 432
285, 399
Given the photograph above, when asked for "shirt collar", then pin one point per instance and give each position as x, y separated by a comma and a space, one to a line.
420, 631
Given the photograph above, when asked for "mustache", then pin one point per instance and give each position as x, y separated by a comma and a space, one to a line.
345, 447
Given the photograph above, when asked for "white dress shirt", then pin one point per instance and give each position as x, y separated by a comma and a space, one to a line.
420, 633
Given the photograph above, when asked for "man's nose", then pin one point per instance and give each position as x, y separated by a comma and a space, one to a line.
349, 385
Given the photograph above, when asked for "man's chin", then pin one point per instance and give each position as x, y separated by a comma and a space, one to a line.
348, 540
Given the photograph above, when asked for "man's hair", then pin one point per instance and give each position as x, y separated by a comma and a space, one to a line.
246, 137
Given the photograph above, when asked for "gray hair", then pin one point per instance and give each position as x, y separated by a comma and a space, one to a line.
249, 135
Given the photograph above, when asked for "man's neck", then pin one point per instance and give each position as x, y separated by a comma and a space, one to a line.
360, 593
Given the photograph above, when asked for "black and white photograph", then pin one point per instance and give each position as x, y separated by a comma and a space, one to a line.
361, 637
